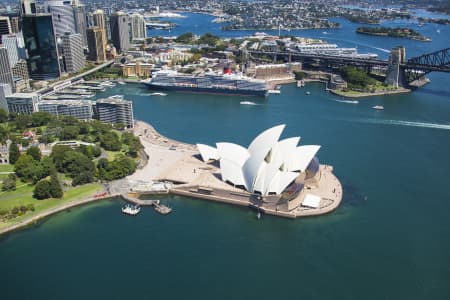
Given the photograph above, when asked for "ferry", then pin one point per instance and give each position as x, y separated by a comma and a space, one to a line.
131, 210
208, 83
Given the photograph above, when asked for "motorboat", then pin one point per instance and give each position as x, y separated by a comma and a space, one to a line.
131, 210
378, 107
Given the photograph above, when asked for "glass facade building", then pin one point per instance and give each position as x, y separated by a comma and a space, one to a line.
40, 43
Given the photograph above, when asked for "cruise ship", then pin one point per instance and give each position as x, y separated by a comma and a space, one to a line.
208, 83
332, 49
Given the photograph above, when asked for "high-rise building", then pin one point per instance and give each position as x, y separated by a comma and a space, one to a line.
40, 43
96, 44
115, 111
72, 49
20, 70
5, 67
5, 25
23, 103
28, 7
10, 42
14, 24
80, 20
5, 90
119, 31
80, 109
137, 27
100, 21
63, 16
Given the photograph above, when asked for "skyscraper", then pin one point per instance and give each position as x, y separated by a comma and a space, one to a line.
63, 16
27, 7
114, 111
119, 31
96, 44
80, 20
5, 90
10, 42
100, 21
14, 24
72, 49
5, 67
40, 43
137, 27
5, 25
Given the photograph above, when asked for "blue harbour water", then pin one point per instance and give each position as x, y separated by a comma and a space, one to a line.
389, 239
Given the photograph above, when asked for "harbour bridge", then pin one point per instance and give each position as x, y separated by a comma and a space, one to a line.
398, 68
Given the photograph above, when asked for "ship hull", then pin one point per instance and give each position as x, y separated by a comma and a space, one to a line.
216, 91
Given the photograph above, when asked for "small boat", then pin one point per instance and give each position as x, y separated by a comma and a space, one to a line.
158, 94
258, 215
131, 210
308, 93
274, 92
247, 103
378, 107
120, 82
118, 97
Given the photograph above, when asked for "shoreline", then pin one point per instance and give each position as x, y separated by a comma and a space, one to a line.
153, 141
53, 211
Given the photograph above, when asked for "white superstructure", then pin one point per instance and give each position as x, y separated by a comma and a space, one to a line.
267, 166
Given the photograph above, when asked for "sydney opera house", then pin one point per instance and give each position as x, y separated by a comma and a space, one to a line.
269, 166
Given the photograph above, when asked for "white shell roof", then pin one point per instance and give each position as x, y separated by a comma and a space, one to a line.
267, 166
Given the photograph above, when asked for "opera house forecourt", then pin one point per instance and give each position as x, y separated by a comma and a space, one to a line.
274, 176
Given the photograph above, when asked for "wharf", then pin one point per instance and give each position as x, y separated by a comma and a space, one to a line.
160, 208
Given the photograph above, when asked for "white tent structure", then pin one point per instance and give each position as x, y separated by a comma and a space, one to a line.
267, 166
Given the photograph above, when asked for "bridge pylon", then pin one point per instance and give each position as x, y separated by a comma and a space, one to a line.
395, 75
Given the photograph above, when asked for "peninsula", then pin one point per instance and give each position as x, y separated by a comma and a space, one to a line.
393, 32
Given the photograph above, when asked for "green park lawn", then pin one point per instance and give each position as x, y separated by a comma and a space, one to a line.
23, 196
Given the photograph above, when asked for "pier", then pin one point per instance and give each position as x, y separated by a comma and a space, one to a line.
160, 208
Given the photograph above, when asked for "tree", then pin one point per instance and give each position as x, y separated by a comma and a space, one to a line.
185, 38
3, 115
110, 141
9, 183
57, 155
69, 133
42, 190
55, 186
40, 119
34, 152
29, 169
22, 121
14, 153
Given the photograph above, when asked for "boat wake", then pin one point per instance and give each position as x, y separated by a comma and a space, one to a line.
347, 101
248, 103
404, 123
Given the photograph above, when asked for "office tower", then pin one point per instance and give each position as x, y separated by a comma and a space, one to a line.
80, 109
5, 67
119, 31
10, 42
137, 27
80, 20
63, 16
72, 50
14, 24
23, 103
5, 90
96, 44
28, 7
100, 21
115, 111
40, 43
5, 25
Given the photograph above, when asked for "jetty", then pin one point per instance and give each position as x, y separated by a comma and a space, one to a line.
157, 205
